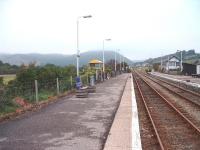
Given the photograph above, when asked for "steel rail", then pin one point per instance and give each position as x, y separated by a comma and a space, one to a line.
149, 114
170, 104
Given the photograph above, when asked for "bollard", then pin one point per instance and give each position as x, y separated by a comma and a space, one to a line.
36, 91
87, 79
92, 81
91, 88
71, 81
57, 85
101, 76
96, 75
80, 79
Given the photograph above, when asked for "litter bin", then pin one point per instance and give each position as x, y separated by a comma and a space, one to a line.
92, 88
78, 83
91, 80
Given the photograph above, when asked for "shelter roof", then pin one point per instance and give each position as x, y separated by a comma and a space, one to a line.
95, 61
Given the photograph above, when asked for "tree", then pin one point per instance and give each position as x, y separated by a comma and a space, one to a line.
6, 68
111, 64
28, 74
69, 71
156, 66
1, 81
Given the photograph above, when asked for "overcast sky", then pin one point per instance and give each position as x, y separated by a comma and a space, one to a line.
139, 28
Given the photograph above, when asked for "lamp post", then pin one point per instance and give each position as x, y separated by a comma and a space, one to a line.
115, 61
123, 64
104, 58
77, 44
103, 54
120, 62
168, 64
181, 66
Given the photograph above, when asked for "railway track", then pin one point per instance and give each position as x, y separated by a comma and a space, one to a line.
186, 102
191, 96
172, 128
149, 139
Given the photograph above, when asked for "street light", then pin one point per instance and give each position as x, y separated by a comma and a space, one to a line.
88, 16
103, 54
123, 63
78, 51
181, 60
120, 62
115, 61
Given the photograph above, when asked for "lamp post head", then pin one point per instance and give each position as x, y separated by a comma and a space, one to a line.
107, 39
88, 16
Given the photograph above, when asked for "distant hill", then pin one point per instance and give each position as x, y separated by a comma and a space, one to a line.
6, 68
189, 56
57, 59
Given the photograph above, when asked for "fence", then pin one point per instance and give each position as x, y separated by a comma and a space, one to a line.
36, 91
39, 90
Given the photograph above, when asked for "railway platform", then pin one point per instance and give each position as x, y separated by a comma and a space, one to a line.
188, 80
124, 133
70, 123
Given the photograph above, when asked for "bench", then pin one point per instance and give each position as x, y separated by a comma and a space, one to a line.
82, 92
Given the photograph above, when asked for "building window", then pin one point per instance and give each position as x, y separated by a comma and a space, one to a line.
172, 63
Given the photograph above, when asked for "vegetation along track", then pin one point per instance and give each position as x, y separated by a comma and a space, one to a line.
172, 128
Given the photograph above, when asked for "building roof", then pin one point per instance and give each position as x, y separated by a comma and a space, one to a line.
174, 57
95, 61
165, 60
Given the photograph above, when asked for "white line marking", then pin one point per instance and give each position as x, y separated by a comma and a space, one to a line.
136, 140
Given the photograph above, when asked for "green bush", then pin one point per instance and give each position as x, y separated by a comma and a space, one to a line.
1, 81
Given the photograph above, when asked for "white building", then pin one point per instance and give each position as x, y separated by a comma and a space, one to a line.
197, 64
173, 63
198, 68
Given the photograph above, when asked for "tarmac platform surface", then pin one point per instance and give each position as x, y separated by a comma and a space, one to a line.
68, 124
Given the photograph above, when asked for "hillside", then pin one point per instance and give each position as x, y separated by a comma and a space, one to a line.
189, 56
57, 59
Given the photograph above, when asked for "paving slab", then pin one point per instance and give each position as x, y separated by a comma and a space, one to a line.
124, 133
70, 123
